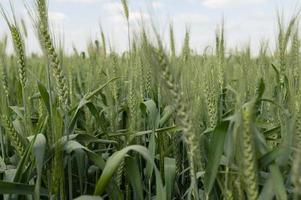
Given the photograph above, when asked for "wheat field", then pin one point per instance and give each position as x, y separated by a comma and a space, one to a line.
149, 123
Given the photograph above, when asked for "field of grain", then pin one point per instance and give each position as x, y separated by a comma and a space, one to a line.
149, 123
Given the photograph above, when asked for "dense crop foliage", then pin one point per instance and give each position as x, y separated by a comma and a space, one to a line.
149, 123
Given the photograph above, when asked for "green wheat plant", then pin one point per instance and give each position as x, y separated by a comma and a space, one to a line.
159, 120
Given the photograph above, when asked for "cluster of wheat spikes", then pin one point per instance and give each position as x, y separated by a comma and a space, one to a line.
150, 122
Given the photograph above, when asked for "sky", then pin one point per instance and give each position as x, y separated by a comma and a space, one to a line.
76, 22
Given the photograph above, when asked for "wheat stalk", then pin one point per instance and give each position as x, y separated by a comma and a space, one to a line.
183, 117
249, 160
49, 50
13, 135
172, 41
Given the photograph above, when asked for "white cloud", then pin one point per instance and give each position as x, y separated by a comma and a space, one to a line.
112, 7
225, 3
139, 15
114, 12
56, 16
191, 18
79, 1
157, 4
241, 28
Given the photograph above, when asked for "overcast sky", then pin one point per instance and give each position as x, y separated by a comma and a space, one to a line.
77, 21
